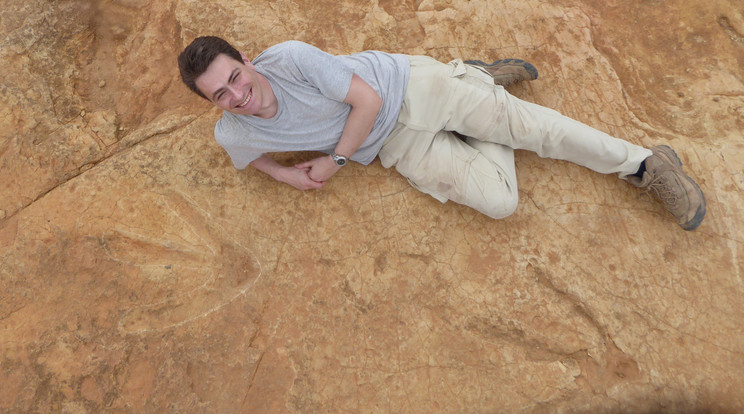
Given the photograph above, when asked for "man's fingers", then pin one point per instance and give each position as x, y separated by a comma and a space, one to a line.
309, 164
314, 185
315, 182
305, 182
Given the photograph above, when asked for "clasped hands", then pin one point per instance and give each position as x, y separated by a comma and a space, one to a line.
312, 175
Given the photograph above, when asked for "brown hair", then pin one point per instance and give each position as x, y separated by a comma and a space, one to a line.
196, 58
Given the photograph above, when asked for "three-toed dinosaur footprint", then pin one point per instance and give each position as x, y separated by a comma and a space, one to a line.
187, 266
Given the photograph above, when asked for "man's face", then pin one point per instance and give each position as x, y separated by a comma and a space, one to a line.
236, 87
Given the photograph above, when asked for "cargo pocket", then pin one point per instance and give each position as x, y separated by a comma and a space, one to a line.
458, 68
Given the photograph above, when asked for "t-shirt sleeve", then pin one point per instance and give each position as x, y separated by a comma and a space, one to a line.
240, 155
329, 73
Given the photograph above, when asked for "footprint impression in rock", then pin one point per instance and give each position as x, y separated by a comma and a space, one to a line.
185, 266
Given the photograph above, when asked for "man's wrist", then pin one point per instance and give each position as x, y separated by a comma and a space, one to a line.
282, 173
339, 159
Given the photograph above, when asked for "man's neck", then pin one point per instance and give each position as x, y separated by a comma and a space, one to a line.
271, 107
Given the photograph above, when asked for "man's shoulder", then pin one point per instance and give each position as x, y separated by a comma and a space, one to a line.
290, 44
283, 49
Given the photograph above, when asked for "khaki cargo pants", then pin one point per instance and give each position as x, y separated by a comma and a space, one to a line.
479, 172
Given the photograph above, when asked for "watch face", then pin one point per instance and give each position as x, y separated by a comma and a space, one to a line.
340, 160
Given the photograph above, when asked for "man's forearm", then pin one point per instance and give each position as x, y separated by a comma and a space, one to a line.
365, 105
266, 164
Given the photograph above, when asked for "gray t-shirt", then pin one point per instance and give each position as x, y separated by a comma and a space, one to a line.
310, 86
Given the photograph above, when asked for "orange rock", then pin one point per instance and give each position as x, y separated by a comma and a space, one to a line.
139, 271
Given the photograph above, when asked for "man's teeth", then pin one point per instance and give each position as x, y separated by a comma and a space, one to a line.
247, 98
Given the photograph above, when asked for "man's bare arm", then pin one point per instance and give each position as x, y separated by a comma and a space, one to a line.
365, 105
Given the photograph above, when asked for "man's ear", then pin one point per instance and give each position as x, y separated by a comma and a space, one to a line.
246, 60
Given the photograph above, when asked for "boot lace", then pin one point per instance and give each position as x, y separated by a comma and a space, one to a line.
664, 192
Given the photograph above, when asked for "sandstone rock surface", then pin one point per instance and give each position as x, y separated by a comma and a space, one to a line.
140, 272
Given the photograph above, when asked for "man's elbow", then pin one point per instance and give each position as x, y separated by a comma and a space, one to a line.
375, 101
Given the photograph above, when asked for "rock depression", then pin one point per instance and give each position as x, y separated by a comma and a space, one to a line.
140, 272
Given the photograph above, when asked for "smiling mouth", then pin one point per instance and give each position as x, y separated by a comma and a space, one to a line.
247, 99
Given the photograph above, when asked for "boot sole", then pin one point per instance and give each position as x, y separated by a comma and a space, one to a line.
531, 69
695, 221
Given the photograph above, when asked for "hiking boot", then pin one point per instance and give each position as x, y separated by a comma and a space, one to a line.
676, 190
507, 72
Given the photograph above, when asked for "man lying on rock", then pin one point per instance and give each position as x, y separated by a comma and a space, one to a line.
411, 112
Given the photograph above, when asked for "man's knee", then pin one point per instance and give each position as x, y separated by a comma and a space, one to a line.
501, 205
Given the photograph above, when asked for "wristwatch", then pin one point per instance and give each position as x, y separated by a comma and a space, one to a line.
340, 160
